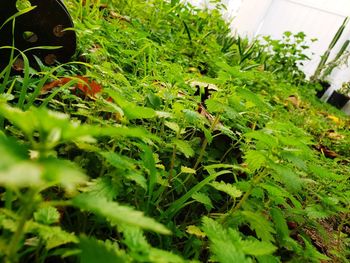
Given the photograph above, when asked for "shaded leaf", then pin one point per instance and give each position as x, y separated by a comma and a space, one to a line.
117, 214
93, 251
204, 199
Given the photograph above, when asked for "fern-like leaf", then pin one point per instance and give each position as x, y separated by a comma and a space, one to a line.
118, 214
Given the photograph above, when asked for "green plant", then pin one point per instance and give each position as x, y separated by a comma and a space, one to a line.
345, 89
324, 58
287, 55
196, 148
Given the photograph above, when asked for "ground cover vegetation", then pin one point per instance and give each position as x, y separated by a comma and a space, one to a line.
166, 139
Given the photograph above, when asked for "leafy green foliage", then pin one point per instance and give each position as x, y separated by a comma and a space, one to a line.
116, 213
93, 250
199, 144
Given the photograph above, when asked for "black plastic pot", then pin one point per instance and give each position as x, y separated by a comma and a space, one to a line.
338, 100
325, 85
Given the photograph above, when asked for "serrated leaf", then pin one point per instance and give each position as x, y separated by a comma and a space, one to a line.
260, 225
117, 214
196, 231
93, 251
252, 97
280, 223
255, 159
287, 176
53, 236
324, 173
187, 170
203, 199
215, 106
135, 239
47, 215
224, 245
184, 147
257, 248
312, 252
136, 177
103, 187
162, 256
118, 161
46, 121
173, 126
229, 189
193, 116
144, 252
263, 139
316, 212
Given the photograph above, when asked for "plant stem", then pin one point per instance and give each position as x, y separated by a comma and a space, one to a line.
172, 163
234, 209
205, 143
28, 208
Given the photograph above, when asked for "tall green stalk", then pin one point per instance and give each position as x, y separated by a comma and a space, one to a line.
334, 63
325, 56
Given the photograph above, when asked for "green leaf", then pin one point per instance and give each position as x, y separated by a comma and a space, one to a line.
21, 175
131, 110
118, 161
53, 236
162, 256
103, 187
137, 112
203, 199
136, 177
280, 223
117, 214
123, 163
93, 251
287, 176
257, 248
229, 189
150, 164
260, 225
64, 173
324, 173
47, 215
263, 138
255, 159
252, 97
316, 212
187, 170
11, 152
173, 126
179, 203
140, 249
225, 245
184, 147
312, 253
55, 127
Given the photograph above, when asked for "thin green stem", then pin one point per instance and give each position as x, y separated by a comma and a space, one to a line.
235, 208
27, 210
205, 143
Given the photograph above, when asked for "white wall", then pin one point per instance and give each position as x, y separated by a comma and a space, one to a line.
231, 5
317, 18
